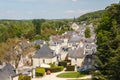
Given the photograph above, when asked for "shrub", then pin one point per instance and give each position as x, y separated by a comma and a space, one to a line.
39, 72
62, 63
52, 64
68, 60
23, 77
55, 69
70, 68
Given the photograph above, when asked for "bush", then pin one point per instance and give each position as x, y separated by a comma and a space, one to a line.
55, 69
39, 72
70, 68
52, 64
68, 60
23, 77
62, 63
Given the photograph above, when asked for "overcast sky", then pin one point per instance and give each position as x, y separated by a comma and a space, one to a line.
49, 9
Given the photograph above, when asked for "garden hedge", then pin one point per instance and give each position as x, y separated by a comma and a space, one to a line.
62, 63
24, 77
55, 69
39, 72
70, 68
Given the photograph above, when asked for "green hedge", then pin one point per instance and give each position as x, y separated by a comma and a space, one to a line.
23, 77
62, 63
52, 64
68, 61
70, 68
39, 72
55, 69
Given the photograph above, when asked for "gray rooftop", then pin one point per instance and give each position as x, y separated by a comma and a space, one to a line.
88, 52
89, 40
77, 53
74, 39
44, 52
7, 71
38, 42
88, 45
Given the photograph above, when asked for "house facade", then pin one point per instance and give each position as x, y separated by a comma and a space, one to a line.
77, 55
44, 56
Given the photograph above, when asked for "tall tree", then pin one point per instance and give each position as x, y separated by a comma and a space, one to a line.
37, 23
108, 41
87, 32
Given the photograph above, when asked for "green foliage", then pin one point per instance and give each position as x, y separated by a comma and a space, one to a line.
108, 41
87, 32
70, 68
91, 16
32, 29
55, 69
15, 28
62, 63
23, 77
37, 23
39, 72
37, 47
52, 64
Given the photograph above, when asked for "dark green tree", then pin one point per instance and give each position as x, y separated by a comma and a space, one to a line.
108, 41
37, 23
87, 32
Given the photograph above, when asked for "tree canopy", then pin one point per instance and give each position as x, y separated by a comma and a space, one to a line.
108, 41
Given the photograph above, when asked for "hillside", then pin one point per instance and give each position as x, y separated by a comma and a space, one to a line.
91, 16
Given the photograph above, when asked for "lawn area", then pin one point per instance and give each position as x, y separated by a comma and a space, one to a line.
70, 75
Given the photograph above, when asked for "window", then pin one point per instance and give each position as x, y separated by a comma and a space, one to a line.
75, 59
43, 60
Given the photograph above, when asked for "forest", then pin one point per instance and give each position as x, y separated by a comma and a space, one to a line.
108, 41
32, 29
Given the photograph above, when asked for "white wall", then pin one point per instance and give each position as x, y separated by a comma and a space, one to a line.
37, 61
15, 78
78, 62
63, 56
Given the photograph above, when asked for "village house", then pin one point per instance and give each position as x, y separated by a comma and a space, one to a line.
74, 26
77, 55
74, 41
8, 72
44, 56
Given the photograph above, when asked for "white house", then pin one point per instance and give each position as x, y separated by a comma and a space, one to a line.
77, 55
74, 41
74, 26
44, 56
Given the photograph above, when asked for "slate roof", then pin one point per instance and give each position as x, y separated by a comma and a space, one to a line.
88, 45
89, 40
44, 52
7, 71
69, 32
88, 52
38, 42
74, 39
77, 53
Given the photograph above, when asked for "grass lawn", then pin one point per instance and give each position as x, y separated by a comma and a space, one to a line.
70, 75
